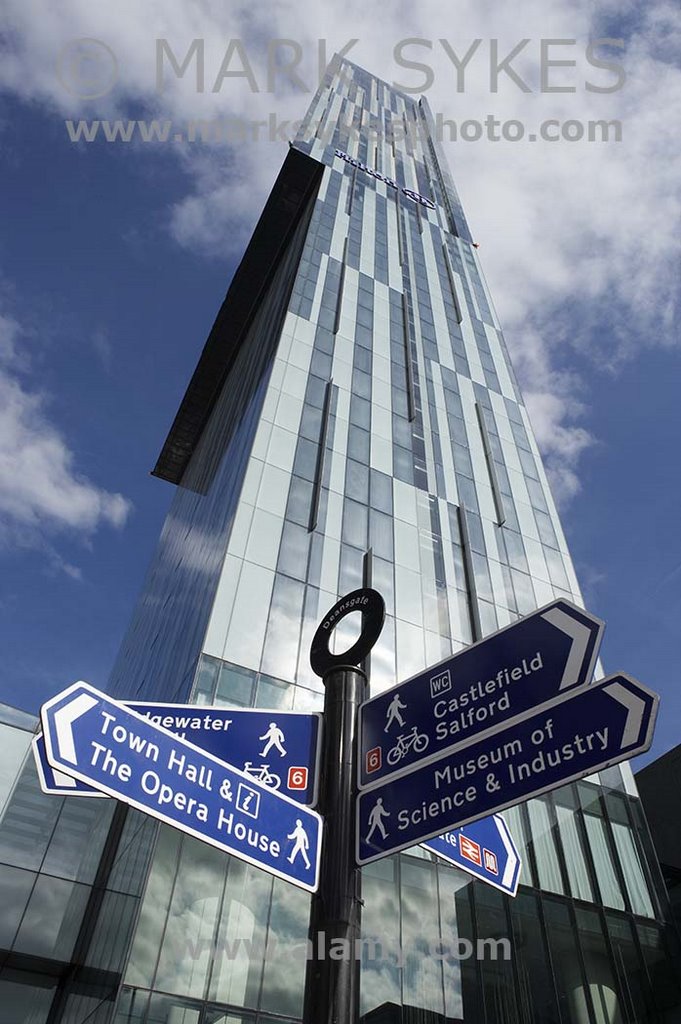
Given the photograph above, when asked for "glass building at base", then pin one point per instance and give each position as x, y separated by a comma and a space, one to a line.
353, 418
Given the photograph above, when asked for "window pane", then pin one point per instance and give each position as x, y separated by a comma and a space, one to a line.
497, 971
166, 1010
14, 744
380, 974
235, 686
238, 966
600, 978
570, 988
78, 839
537, 987
603, 862
284, 968
28, 821
514, 820
188, 939
574, 853
273, 693
15, 889
142, 963
52, 919
632, 870
26, 998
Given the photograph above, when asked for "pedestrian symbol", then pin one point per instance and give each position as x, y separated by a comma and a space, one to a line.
275, 738
393, 712
376, 819
301, 845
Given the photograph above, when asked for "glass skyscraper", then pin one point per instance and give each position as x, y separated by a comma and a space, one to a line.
353, 419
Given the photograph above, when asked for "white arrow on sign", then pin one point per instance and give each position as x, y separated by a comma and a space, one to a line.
64, 719
511, 860
581, 636
635, 707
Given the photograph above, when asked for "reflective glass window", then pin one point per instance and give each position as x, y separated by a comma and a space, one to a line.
495, 957
663, 971
78, 839
293, 552
28, 821
283, 982
237, 970
537, 990
14, 744
166, 1010
15, 889
422, 977
603, 862
235, 685
632, 870
149, 932
26, 998
570, 834
573, 998
629, 967
273, 693
599, 972
380, 973
187, 946
381, 494
52, 919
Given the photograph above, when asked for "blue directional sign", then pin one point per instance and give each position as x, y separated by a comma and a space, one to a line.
281, 749
113, 748
54, 782
573, 735
484, 849
504, 675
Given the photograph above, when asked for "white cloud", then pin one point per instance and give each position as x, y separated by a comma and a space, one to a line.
41, 491
579, 241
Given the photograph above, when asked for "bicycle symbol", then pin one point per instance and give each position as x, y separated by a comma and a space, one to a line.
417, 740
263, 774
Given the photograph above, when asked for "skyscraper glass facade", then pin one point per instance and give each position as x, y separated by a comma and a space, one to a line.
354, 418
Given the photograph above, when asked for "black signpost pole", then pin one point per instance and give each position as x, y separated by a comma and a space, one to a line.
332, 985
333, 967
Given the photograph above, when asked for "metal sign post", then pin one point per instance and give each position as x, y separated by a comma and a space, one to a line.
332, 981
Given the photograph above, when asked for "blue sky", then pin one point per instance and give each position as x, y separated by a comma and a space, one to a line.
114, 259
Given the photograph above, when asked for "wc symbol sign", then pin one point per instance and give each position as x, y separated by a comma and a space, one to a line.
440, 684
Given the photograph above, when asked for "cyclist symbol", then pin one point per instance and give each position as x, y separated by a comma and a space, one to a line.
404, 743
393, 712
263, 774
275, 738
